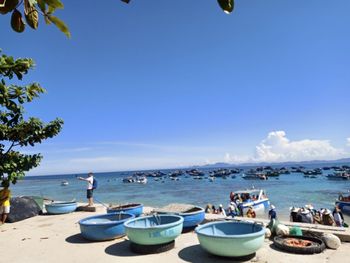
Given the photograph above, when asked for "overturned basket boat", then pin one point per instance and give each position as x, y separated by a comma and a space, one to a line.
299, 244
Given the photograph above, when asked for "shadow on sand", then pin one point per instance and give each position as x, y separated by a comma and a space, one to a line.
195, 254
77, 239
120, 249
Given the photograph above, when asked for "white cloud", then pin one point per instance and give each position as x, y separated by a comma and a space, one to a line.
278, 148
348, 141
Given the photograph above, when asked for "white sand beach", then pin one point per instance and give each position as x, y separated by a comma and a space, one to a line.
56, 238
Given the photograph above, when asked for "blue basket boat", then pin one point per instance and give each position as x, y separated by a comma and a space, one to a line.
56, 208
154, 230
104, 227
192, 217
135, 209
231, 239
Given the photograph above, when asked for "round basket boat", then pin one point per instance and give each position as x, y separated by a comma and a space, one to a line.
104, 227
154, 230
135, 209
231, 239
192, 217
299, 244
56, 208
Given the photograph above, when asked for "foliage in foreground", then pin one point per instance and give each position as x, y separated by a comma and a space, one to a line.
32, 9
15, 131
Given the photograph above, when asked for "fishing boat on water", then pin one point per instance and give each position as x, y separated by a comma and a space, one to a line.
64, 183
255, 198
343, 202
254, 176
343, 175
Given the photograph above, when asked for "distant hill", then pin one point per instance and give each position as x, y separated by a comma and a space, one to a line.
325, 162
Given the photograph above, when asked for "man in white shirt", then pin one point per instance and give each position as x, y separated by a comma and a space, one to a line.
89, 190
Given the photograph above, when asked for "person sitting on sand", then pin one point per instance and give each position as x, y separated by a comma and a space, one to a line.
89, 190
338, 216
209, 209
232, 209
317, 218
327, 218
251, 213
294, 214
306, 216
5, 195
221, 210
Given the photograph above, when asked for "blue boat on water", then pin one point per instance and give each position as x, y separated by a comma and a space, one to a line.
135, 209
343, 202
59, 207
255, 198
154, 230
192, 217
104, 227
231, 239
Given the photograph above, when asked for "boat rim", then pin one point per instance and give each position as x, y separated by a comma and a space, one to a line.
62, 203
124, 208
258, 233
81, 222
181, 220
201, 210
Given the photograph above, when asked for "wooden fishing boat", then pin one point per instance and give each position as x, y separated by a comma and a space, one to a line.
59, 207
154, 230
255, 198
104, 227
135, 209
231, 239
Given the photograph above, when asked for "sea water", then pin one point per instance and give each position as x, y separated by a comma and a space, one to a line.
284, 191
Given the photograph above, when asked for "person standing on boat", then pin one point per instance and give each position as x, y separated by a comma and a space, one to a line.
89, 190
5, 195
272, 212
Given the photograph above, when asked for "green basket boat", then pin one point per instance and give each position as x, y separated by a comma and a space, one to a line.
154, 230
231, 239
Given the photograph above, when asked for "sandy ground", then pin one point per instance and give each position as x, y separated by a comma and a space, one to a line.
56, 238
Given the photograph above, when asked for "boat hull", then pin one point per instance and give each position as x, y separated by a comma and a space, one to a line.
259, 206
230, 239
104, 227
343, 206
154, 230
135, 209
56, 208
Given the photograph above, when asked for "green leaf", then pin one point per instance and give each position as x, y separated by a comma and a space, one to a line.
60, 24
42, 6
54, 3
31, 14
226, 5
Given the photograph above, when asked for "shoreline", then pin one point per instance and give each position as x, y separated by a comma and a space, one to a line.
56, 238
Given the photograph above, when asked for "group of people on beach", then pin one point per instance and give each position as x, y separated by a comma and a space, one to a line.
308, 214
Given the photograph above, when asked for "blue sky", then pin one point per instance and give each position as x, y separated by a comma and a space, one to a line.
158, 84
